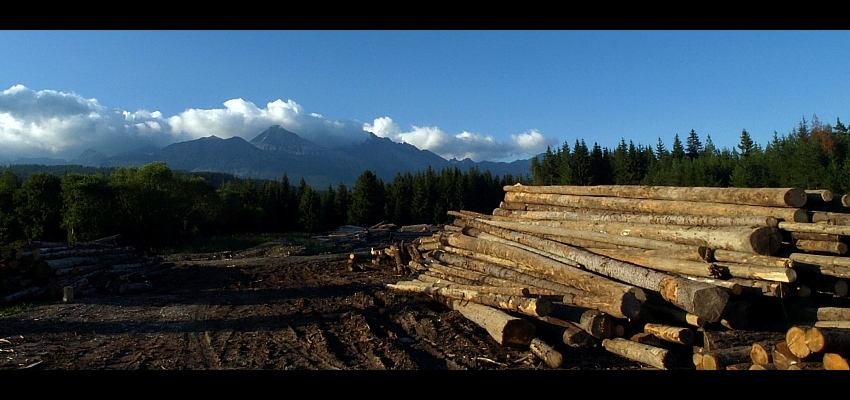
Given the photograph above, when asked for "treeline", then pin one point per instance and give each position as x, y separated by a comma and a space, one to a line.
153, 207
812, 156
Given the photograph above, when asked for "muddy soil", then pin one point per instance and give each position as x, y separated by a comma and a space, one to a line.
266, 308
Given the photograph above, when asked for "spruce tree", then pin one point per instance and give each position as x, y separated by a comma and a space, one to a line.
693, 146
367, 200
678, 151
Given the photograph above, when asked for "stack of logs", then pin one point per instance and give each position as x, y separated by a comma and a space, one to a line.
52, 270
671, 277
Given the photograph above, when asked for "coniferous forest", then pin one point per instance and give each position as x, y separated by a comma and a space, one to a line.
154, 207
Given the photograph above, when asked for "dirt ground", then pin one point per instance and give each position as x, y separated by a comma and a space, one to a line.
266, 308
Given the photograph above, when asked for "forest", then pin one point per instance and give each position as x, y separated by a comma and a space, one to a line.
153, 207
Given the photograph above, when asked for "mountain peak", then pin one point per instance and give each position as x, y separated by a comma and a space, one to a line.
278, 139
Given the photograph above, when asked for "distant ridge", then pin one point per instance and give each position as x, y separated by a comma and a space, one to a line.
277, 151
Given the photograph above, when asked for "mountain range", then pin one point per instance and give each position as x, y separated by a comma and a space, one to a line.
276, 151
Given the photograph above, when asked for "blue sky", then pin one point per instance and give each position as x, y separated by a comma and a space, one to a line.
487, 95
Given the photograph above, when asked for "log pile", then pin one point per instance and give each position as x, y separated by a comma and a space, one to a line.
673, 277
53, 270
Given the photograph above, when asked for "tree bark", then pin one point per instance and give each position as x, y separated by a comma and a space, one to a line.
570, 334
812, 314
829, 218
598, 324
704, 269
811, 227
641, 218
815, 236
659, 206
562, 273
718, 359
704, 300
824, 246
818, 196
761, 240
714, 339
828, 340
816, 264
771, 197
611, 303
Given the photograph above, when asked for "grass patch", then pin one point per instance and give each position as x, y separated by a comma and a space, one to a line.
15, 309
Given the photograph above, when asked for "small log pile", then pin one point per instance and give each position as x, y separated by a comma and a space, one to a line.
380, 234
53, 270
672, 277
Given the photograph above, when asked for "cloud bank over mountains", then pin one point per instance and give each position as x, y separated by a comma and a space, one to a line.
48, 123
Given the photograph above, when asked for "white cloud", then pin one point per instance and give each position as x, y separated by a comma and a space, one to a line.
474, 146
47, 123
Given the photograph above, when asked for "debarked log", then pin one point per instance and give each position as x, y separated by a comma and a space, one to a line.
645, 354
773, 197
660, 312
726, 256
659, 206
674, 334
505, 329
547, 353
535, 307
